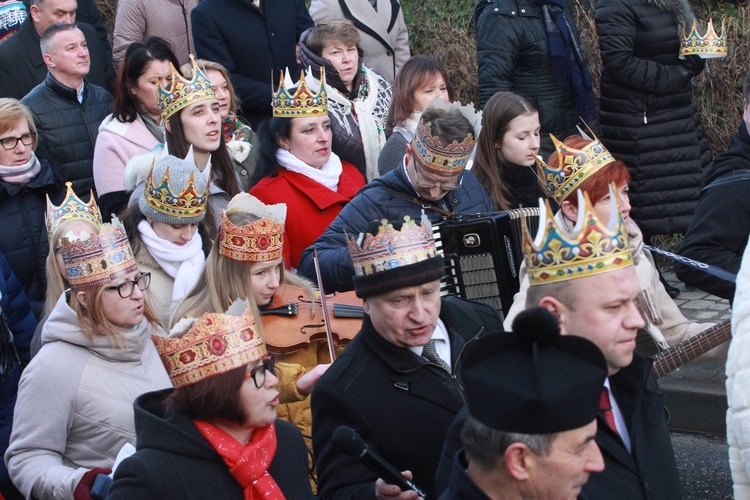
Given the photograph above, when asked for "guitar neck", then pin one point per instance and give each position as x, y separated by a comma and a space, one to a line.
670, 359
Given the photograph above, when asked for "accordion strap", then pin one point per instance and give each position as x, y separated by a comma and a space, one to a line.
419, 202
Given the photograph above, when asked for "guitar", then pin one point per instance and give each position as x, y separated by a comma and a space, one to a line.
687, 350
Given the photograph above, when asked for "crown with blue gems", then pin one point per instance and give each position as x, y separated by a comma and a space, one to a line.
591, 249
708, 46
72, 208
302, 102
178, 198
183, 92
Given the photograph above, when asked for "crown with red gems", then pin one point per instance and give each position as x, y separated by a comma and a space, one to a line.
591, 249
216, 343
91, 261
259, 241
72, 208
575, 166
178, 198
708, 46
302, 102
183, 92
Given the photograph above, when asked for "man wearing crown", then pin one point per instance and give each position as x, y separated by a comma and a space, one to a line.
432, 177
398, 383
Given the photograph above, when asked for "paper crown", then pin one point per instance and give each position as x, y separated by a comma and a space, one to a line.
303, 101
72, 208
216, 343
183, 92
169, 204
591, 249
95, 260
445, 160
575, 166
708, 46
259, 241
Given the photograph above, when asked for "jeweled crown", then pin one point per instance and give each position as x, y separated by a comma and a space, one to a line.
591, 249
575, 166
182, 92
190, 203
72, 208
708, 46
302, 102
259, 241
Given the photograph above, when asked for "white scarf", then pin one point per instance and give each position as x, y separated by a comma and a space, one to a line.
183, 263
328, 175
408, 127
21, 174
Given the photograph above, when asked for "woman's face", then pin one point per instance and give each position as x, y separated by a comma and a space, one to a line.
434, 88
20, 154
147, 86
201, 124
221, 87
259, 403
603, 207
344, 58
309, 140
265, 279
521, 141
77, 227
126, 312
179, 234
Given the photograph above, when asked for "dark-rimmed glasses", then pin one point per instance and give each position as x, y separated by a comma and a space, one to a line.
26, 139
430, 186
126, 289
258, 374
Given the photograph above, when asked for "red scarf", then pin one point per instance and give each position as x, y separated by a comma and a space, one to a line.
248, 464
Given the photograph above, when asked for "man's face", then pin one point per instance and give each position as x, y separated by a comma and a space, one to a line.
408, 316
50, 12
429, 186
69, 54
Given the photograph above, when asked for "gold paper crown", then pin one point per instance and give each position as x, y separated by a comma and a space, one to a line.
708, 46
260, 241
390, 249
188, 203
445, 160
303, 102
182, 92
215, 344
72, 208
98, 259
592, 248
575, 166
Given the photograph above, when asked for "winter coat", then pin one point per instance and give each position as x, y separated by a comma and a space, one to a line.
392, 154
647, 115
244, 154
116, 144
718, 232
160, 290
310, 206
384, 37
373, 203
67, 129
461, 486
22, 67
22, 215
168, 19
227, 31
400, 403
174, 460
88, 385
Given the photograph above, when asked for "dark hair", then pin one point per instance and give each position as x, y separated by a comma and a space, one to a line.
331, 31
500, 110
215, 398
137, 57
50, 33
746, 88
269, 133
132, 216
413, 75
447, 125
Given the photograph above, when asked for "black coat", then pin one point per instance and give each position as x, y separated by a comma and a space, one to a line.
67, 129
253, 46
647, 115
720, 227
174, 460
22, 67
461, 486
399, 403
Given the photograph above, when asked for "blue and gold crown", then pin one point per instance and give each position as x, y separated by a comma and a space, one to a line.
445, 160
183, 207
182, 92
592, 249
302, 102
708, 46
575, 166
72, 208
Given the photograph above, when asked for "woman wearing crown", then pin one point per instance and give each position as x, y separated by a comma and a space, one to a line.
74, 408
298, 168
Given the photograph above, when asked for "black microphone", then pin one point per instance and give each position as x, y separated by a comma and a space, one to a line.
348, 441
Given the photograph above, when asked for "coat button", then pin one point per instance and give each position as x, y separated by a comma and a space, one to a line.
496, 9
513, 12
324, 211
243, 172
270, 33
523, 11
389, 53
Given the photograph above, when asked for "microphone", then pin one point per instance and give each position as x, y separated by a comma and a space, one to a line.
348, 441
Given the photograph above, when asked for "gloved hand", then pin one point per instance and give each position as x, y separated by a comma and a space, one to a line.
83, 490
694, 64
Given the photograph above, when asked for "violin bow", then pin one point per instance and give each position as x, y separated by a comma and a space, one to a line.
329, 333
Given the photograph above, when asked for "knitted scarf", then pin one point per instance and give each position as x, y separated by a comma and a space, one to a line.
249, 463
22, 173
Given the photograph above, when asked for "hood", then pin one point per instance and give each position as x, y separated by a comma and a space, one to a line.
736, 157
310, 59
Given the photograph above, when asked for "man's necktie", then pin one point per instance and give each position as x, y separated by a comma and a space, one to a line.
430, 353
605, 406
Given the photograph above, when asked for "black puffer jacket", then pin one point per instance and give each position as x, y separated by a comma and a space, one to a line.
67, 129
647, 116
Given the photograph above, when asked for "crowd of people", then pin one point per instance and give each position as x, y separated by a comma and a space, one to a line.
182, 206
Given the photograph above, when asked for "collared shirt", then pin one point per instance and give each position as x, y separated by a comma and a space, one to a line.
622, 428
79, 93
442, 343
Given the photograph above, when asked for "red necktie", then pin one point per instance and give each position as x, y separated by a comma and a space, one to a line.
605, 406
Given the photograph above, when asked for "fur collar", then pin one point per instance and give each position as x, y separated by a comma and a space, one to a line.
680, 9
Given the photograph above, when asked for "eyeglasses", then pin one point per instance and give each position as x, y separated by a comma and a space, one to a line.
11, 142
258, 374
430, 186
126, 289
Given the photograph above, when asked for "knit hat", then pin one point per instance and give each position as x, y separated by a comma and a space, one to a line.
176, 192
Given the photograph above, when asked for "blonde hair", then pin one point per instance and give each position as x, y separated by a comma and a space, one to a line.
205, 65
13, 111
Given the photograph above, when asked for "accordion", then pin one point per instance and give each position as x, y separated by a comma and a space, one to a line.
483, 254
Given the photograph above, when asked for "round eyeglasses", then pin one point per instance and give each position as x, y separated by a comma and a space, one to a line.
26, 139
258, 374
126, 289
